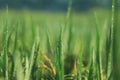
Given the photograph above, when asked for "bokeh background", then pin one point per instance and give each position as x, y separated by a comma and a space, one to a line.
55, 5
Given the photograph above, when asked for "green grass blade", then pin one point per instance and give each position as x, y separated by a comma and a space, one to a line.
33, 70
98, 54
5, 57
49, 49
59, 58
12, 72
69, 26
18, 67
33, 30
92, 70
79, 64
115, 39
29, 64
108, 53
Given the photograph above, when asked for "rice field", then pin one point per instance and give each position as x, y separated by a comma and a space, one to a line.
60, 46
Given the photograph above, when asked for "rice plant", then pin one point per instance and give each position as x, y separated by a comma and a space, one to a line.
37, 48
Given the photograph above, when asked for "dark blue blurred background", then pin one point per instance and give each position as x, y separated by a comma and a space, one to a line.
54, 5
